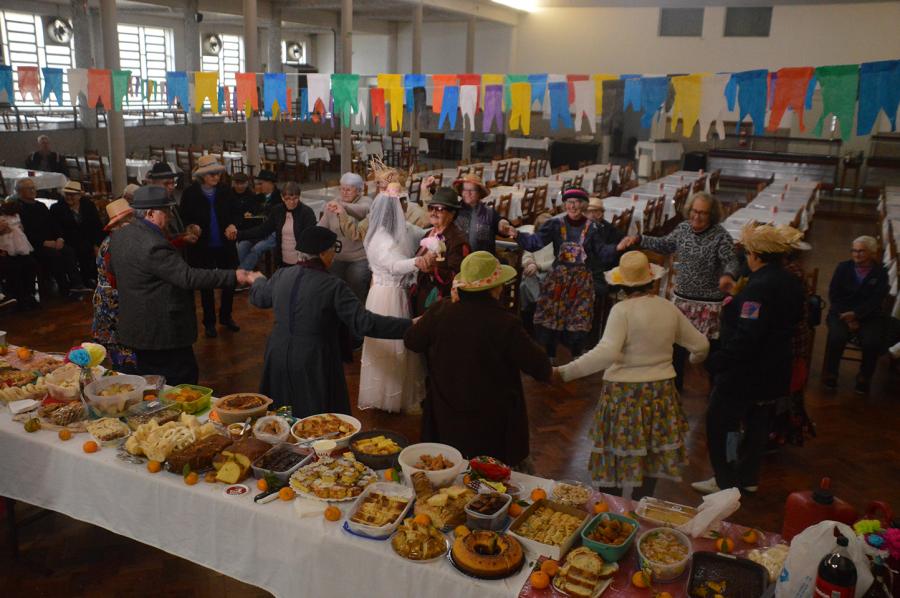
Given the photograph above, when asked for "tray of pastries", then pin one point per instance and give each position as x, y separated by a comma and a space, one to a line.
584, 574
380, 509
446, 507
334, 426
419, 543
158, 441
332, 479
548, 527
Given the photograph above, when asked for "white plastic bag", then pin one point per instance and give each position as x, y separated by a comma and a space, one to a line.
798, 577
715, 508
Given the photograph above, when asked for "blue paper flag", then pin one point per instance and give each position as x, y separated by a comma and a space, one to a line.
410, 82
632, 91
6, 83
221, 98
559, 104
750, 90
53, 83
879, 89
449, 106
538, 89
177, 89
653, 95
304, 103
274, 89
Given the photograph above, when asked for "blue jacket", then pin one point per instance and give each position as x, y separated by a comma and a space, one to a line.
864, 299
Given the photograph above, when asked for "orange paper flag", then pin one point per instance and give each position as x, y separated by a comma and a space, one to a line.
100, 88
440, 82
247, 98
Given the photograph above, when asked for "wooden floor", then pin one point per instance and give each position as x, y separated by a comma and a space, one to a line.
856, 445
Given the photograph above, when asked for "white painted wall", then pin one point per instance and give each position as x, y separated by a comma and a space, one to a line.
444, 47
370, 53
625, 40
324, 52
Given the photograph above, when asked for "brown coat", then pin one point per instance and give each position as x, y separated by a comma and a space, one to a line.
475, 351
441, 276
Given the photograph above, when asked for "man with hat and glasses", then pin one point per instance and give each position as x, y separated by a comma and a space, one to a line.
156, 300
79, 224
479, 222
448, 243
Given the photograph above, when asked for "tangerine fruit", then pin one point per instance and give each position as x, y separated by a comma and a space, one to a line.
24, 353
332, 513
751, 536
4, 349
460, 531
210, 477
191, 478
550, 567
725, 545
154, 466
515, 509
664, 595
65, 434
538, 494
601, 506
150, 397
422, 519
90, 447
287, 493
262, 485
540, 580
640, 579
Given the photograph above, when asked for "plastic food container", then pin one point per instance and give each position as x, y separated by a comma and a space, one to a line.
440, 478
661, 571
281, 436
744, 577
570, 492
145, 411
610, 553
378, 461
116, 405
195, 406
62, 383
494, 522
537, 548
389, 489
231, 416
284, 476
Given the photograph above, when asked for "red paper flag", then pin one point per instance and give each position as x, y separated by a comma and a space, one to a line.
572, 79
379, 113
100, 88
29, 82
790, 92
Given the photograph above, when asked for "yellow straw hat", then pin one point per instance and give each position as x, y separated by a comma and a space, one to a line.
475, 180
793, 237
634, 270
481, 271
763, 239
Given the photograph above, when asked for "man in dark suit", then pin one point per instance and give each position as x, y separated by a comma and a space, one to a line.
78, 223
156, 300
257, 210
46, 159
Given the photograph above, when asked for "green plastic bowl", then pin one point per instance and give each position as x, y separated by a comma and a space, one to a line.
608, 552
195, 406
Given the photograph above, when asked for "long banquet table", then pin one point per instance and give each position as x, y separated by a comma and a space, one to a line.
42, 179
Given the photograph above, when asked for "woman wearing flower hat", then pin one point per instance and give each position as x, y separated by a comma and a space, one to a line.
640, 428
479, 222
476, 351
104, 328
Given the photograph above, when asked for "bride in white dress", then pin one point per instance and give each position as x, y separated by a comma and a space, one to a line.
391, 378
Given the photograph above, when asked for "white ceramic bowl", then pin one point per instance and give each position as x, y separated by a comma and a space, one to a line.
340, 441
116, 405
281, 436
439, 479
233, 416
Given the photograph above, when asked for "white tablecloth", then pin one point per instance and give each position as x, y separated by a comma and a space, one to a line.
42, 179
515, 203
134, 168
265, 545
528, 143
659, 151
423, 143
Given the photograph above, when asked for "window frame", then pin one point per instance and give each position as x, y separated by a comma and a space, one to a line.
684, 10
747, 10
155, 70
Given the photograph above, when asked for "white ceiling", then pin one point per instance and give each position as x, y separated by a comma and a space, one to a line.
688, 3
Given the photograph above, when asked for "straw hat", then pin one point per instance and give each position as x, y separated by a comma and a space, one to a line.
793, 237
385, 174
475, 180
634, 270
595, 203
117, 210
763, 239
208, 164
72, 187
130, 188
481, 271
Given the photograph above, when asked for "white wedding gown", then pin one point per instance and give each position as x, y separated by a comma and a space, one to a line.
391, 377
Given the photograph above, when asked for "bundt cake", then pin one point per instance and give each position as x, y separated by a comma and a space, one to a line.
487, 554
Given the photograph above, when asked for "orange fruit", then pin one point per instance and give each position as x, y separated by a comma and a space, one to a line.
24, 353
664, 595
150, 397
191, 478
640, 579
90, 447
422, 519
550, 567
392, 475
287, 493
210, 477
262, 485
4, 349
65, 434
538, 493
540, 580
725, 545
332, 513
460, 531
154, 466
751, 536
601, 506
515, 509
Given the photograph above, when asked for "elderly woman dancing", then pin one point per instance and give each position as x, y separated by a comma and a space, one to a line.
350, 264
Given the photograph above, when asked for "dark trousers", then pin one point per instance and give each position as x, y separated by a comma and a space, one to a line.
871, 337
679, 362
602, 304
223, 259
573, 340
62, 265
87, 262
18, 272
178, 366
726, 413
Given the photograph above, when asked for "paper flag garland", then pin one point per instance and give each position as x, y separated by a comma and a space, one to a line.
7, 93
29, 82
362, 115
493, 108
345, 91
392, 85
598, 90
449, 106
790, 92
120, 80
839, 86
520, 107
412, 81
439, 82
53, 84
654, 91
304, 103
879, 89
571, 79
507, 91
749, 87
177, 89
319, 89
379, 114
468, 104
247, 97
712, 103
491, 79
688, 94
613, 105
99, 88
559, 104
632, 92
469, 79
206, 85
585, 104
274, 94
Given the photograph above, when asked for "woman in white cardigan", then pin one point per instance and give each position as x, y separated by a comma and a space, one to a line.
639, 428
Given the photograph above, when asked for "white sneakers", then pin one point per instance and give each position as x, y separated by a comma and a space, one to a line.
710, 486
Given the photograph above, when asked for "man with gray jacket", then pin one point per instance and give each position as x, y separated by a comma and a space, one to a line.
157, 316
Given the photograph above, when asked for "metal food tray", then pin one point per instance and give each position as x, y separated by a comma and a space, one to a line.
744, 578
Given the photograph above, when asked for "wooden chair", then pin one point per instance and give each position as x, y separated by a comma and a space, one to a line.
660, 286
503, 205
415, 190
96, 173
540, 168
626, 172
479, 171
235, 165
578, 181
601, 183
461, 170
292, 162
528, 204
73, 165
290, 140
512, 172
647, 218
658, 216
500, 173
4, 192
714, 180
623, 221
329, 144
540, 202
509, 298
157, 153
699, 185
270, 159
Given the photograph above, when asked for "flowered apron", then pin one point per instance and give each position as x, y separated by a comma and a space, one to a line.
567, 293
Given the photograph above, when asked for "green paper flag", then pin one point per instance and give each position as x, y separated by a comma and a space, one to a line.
839, 85
120, 80
345, 93
507, 96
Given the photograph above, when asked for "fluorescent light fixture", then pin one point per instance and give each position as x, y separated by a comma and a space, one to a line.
523, 5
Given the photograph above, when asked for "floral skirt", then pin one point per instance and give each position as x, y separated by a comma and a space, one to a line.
704, 315
104, 328
639, 431
566, 301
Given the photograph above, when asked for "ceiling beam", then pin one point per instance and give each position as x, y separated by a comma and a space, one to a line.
485, 10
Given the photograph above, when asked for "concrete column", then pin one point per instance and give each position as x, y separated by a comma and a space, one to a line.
251, 64
115, 128
84, 54
192, 60
275, 38
418, 10
346, 67
470, 68
393, 47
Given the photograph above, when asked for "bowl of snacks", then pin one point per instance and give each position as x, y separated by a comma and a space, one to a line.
190, 398
441, 463
488, 511
326, 426
272, 429
378, 449
572, 493
236, 408
610, 535
665, 551
62, 383
113, 396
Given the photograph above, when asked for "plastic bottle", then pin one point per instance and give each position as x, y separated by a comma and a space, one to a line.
837, 573
806, 508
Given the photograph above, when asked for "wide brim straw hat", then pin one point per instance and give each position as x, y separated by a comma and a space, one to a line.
72, 187
763, 239
208, 165
130, 189
117, 210
793, 237
634, 270
595, 203
475, 180
481, 271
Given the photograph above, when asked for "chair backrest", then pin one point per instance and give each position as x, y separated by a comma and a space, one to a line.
290, 140
157, 153
270, 151
601, 183
236, 165
528, 203
3, 190
439, 179
461, 170
681, 197
328, 143
699, 184
291, 154
479, 171
183, 159
541, 168
658, 220
626, 172
714, 180
540, 200
624, 222
503, 205
509, 298
578, 181
415, 190
512, 173
500, 172
647, 218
